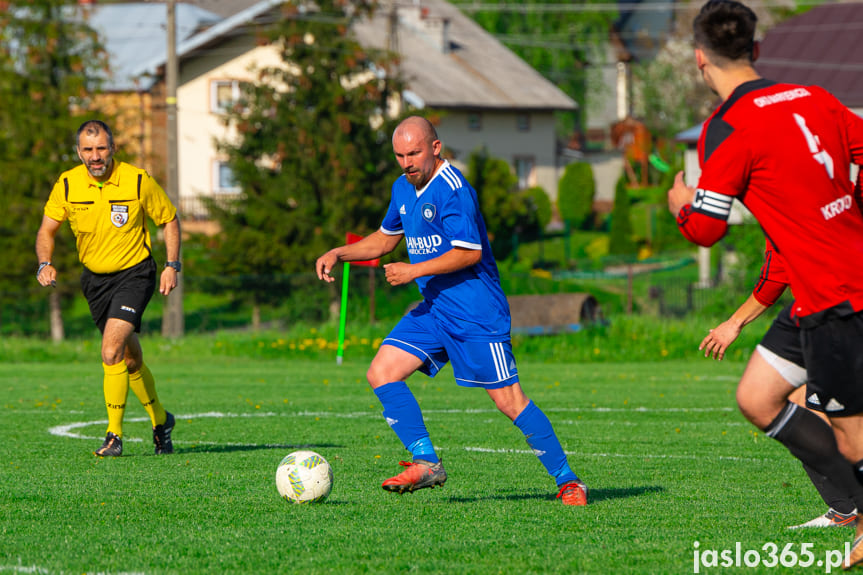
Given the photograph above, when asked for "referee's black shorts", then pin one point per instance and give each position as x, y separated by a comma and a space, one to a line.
121, 295
832, 351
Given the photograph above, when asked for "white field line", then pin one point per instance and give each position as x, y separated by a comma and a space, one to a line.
627, 455
43, 571
24, 569
70, 430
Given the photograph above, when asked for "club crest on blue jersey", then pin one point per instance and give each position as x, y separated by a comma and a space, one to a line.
429, 212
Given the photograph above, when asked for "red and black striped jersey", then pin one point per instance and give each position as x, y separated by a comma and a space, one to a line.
786, 151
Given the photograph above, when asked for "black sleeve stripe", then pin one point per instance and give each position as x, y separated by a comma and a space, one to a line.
765, 271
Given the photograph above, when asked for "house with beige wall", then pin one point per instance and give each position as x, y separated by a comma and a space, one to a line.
486, 96
520, 139
132, 93
483, 94
207, 86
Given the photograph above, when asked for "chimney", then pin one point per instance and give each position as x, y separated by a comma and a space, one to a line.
437, 30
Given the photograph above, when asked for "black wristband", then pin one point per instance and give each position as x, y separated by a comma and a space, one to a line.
176, 265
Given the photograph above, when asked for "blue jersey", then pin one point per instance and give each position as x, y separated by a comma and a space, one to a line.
469, 303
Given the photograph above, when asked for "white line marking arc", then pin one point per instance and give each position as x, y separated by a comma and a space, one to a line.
69, 430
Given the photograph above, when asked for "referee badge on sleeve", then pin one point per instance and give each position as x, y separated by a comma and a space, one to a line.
119, 215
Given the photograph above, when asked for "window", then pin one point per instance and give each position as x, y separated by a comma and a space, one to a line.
524, 169
522, 122
223, 94
223, 179
474, 121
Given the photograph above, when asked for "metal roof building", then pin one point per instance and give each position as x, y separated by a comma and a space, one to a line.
134, 34
821, 47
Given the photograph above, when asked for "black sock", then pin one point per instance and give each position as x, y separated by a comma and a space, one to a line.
811, 440
831, 494
858, 470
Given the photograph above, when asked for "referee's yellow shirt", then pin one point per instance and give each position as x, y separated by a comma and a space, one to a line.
108, 219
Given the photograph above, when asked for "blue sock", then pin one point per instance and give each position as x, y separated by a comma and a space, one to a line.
404, 416
540, 437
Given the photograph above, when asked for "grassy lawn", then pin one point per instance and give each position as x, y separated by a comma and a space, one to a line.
674, 471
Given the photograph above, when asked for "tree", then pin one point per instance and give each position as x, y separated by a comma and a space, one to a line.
49, 63
312, 155
620, 235
509, 214
670, 94
542, 204
668, 91
746, 242
561, 44
575, 193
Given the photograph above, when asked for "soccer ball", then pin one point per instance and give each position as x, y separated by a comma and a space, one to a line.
304, 477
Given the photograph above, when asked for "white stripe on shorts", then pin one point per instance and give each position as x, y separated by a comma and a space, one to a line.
790, 371
499, 357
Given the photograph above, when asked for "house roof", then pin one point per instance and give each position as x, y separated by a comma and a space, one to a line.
223, 8
448, 61
228, 27
480, 72
689, 135
643, 32
821, 47
137, 32
817, 47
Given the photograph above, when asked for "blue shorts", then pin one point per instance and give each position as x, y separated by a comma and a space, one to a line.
490, 365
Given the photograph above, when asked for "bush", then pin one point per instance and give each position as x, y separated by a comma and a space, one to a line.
541, 204
509, 215
575, 194
620, 338
746, 243
620, 242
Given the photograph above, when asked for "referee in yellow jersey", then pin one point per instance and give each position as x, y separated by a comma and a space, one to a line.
106, 203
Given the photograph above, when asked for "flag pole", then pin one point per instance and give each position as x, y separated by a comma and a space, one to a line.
343, 314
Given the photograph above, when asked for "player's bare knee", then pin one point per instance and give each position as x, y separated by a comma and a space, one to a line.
742, 401
112, 356
510, 405
133, 364
134, 358
751, 410
375, 377
849, 449
848, 432
509, 410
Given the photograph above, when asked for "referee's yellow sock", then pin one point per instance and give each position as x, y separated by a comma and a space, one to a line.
144, 386
116, 388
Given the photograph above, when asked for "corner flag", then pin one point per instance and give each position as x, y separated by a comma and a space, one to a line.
350, 238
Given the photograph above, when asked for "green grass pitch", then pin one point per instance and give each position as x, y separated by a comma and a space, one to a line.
674, 471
